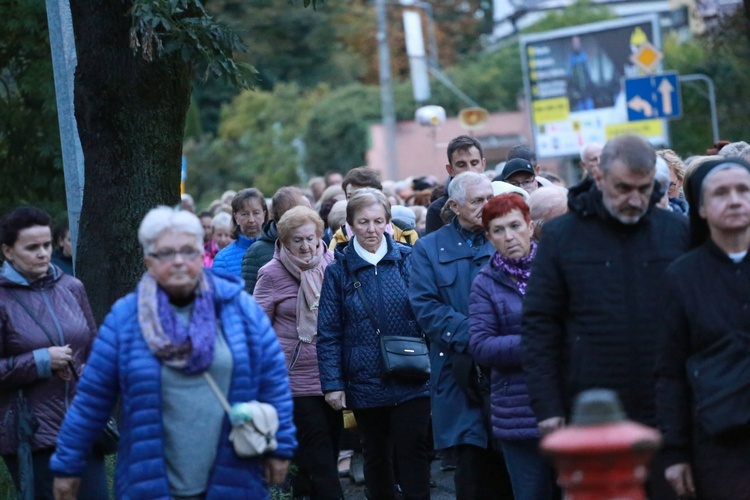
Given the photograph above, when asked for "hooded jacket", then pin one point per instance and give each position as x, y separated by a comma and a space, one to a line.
592, 305
58, 302
121, 365
258, 255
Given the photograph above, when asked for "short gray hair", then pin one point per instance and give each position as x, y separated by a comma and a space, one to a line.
739, 149
366, 197
162, 219
457, 187
633, 151
586, 148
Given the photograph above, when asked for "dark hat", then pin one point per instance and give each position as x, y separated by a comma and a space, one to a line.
516, 165
693, 188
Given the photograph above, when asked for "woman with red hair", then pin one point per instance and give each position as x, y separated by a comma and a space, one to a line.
495, 342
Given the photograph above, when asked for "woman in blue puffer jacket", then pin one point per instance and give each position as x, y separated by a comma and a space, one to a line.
153, 352
249, 213
387, 409
495, 342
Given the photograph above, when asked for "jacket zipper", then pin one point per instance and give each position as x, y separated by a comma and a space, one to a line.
58, 327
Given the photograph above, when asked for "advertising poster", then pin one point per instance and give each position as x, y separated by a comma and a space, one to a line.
574, 82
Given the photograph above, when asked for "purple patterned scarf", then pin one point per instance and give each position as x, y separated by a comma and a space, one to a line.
518, 269
191, 349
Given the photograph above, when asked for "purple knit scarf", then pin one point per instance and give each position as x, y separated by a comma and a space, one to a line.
518, 269
191, 349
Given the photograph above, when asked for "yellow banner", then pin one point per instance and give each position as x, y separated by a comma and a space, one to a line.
645, 128
551, 110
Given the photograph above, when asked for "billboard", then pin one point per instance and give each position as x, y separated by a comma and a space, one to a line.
574, 77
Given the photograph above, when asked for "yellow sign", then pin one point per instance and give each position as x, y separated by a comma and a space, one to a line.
647, 57
644, 128
551, 110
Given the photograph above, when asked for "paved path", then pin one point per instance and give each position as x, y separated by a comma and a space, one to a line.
444, 491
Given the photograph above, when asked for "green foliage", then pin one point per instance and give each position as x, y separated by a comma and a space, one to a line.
184, 26
193, 122
259, 144
581, 12
723, 54
338, 132
29, 134
291, 44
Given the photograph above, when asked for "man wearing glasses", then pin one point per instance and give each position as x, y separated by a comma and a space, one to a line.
520, 173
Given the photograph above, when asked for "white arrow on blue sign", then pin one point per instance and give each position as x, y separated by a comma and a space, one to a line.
654, 96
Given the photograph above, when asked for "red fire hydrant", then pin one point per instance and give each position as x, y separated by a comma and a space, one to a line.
601, 455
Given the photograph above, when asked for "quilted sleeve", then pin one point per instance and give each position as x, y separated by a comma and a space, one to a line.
330, 331
274, 379
488, 344
95, 397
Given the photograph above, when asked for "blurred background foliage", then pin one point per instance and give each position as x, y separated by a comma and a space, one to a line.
317, 91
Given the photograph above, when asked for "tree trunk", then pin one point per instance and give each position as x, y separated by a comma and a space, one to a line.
131, 118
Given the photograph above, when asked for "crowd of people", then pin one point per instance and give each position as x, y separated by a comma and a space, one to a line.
524, 293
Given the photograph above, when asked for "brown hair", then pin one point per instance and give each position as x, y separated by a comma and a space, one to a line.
239, 201
297, 217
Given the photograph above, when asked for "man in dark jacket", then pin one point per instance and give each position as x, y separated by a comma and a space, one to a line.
260, 253
592, 305
444, 264
464, 155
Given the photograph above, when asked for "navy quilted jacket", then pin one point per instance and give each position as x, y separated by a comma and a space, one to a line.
495, 342
121, 364
348, 347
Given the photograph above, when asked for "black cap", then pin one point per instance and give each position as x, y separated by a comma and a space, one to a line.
516, 165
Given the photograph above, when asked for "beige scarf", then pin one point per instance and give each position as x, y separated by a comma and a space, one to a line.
310, 277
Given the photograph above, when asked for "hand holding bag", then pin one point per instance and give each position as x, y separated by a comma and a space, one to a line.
253, 437
401, 356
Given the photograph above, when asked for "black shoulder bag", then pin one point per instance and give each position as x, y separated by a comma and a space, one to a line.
108, 440
401, 356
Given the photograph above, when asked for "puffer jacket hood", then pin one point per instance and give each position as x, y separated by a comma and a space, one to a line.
11, 278
270, 232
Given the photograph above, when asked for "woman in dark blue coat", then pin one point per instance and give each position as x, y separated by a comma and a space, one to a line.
495, 342
388, 410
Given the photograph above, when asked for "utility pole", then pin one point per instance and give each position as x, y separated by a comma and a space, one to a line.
386, 92
64, 62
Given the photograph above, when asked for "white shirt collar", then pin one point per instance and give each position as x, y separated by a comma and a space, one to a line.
372, 258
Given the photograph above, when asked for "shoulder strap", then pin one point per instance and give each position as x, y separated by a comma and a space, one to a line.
367, 306
31, 315
217, 391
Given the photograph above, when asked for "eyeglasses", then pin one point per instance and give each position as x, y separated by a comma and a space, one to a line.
523, 184
170, 255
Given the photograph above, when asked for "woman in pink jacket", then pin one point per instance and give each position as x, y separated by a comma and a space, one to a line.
288, 289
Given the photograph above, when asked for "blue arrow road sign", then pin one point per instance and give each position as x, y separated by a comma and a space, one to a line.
654, 96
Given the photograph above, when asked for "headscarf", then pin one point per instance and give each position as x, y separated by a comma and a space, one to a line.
189, 350
693, 188
518, 269
310, 277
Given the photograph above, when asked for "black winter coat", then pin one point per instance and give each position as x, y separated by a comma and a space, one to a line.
258, 255
348, 346
708, 296
592, 306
